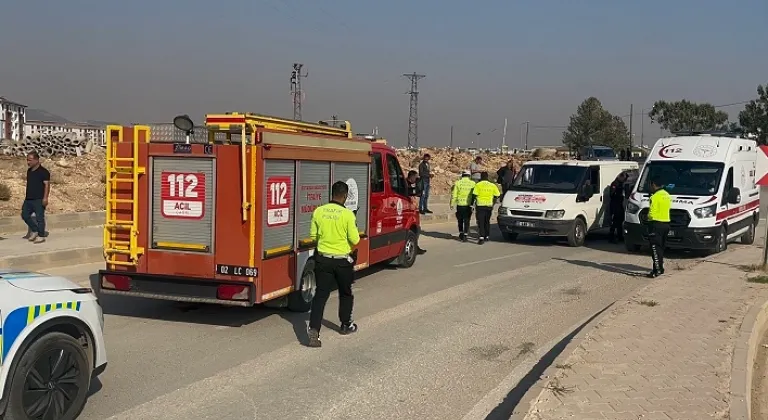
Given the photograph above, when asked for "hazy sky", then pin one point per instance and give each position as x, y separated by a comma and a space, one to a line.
146, 61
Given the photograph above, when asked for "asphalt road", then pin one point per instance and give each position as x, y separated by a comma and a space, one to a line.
446, 339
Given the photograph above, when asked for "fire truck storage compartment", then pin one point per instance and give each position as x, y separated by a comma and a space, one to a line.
313, 191
182, 204
356, 177
279, 199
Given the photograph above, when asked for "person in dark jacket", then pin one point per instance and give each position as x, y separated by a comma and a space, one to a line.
414, 191
616, 204
505, 176
425, 176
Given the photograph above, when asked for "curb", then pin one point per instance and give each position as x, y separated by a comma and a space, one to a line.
54, 259
754, 325
13, 225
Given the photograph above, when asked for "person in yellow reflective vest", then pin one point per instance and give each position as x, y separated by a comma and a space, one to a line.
484, 195
461, 199
334, 228
658, 225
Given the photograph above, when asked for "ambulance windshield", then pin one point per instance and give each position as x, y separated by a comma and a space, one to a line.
683, 177
549, 178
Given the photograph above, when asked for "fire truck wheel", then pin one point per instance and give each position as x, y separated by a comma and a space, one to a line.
408, 254
301, 300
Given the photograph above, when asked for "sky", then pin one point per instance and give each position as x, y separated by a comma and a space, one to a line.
534, 60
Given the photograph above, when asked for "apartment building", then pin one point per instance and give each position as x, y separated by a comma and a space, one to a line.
12, 119
77, 130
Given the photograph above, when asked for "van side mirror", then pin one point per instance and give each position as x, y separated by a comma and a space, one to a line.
734, 196
585, 193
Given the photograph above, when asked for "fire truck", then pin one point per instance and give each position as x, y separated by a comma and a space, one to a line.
226, 220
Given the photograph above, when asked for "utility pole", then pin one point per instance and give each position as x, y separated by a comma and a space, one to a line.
504, 135
335, 120
631, 118
451, 137
527, 126
413, 117
296, 92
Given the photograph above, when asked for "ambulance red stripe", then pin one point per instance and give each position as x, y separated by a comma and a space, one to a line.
736, 211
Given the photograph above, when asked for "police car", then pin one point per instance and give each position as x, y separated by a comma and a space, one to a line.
51, 345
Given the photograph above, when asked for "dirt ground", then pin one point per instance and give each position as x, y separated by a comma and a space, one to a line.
760, 382
77, 183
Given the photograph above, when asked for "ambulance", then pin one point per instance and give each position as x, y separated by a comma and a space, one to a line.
560, 198
715, 199
226, 220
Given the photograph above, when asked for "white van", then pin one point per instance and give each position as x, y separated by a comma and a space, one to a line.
714, 196
566, 198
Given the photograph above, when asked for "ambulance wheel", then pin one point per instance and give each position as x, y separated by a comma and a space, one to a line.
748, 238
50, 381
578, 232
509, 236
722, 240
301, 300
408, 254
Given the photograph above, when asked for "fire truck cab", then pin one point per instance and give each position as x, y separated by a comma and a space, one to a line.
226, 219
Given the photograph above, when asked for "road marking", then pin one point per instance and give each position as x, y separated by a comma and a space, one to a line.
490, 259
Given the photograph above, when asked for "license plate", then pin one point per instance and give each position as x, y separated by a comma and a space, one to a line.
671, 233
236, 270
526, 224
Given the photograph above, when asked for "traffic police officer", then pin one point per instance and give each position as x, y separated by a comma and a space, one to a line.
334, 229
461, 195
484, 195
658, 225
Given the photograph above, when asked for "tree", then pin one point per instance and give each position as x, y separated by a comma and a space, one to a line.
685, 115
593, 125
754, 117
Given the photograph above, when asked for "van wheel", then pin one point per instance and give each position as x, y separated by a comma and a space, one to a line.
748, 238
722, 240
578, 233
50, 381
301, 300
509, 236
408, 254
632, 247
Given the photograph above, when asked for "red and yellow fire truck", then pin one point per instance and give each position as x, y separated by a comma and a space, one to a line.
227, 220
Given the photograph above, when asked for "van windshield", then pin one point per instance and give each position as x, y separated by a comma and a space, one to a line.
549, 178
683, 177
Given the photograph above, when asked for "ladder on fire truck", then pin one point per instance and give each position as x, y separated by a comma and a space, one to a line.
121, 170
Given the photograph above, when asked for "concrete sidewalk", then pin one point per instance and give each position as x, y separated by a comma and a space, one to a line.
664, 353
64, 247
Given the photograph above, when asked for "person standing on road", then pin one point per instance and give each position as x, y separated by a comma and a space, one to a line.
461, 197
334, 229
36, 200
506, 175
658, 225
414, 191
616, 205
484, 195
425, 177
475, 168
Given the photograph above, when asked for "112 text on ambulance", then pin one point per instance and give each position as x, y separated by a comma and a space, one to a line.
279, 193
183, 195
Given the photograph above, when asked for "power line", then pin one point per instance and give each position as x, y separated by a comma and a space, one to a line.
413, 117
714, 106
296, 92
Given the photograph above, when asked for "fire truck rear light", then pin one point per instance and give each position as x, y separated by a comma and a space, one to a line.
232, 292
116, 282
